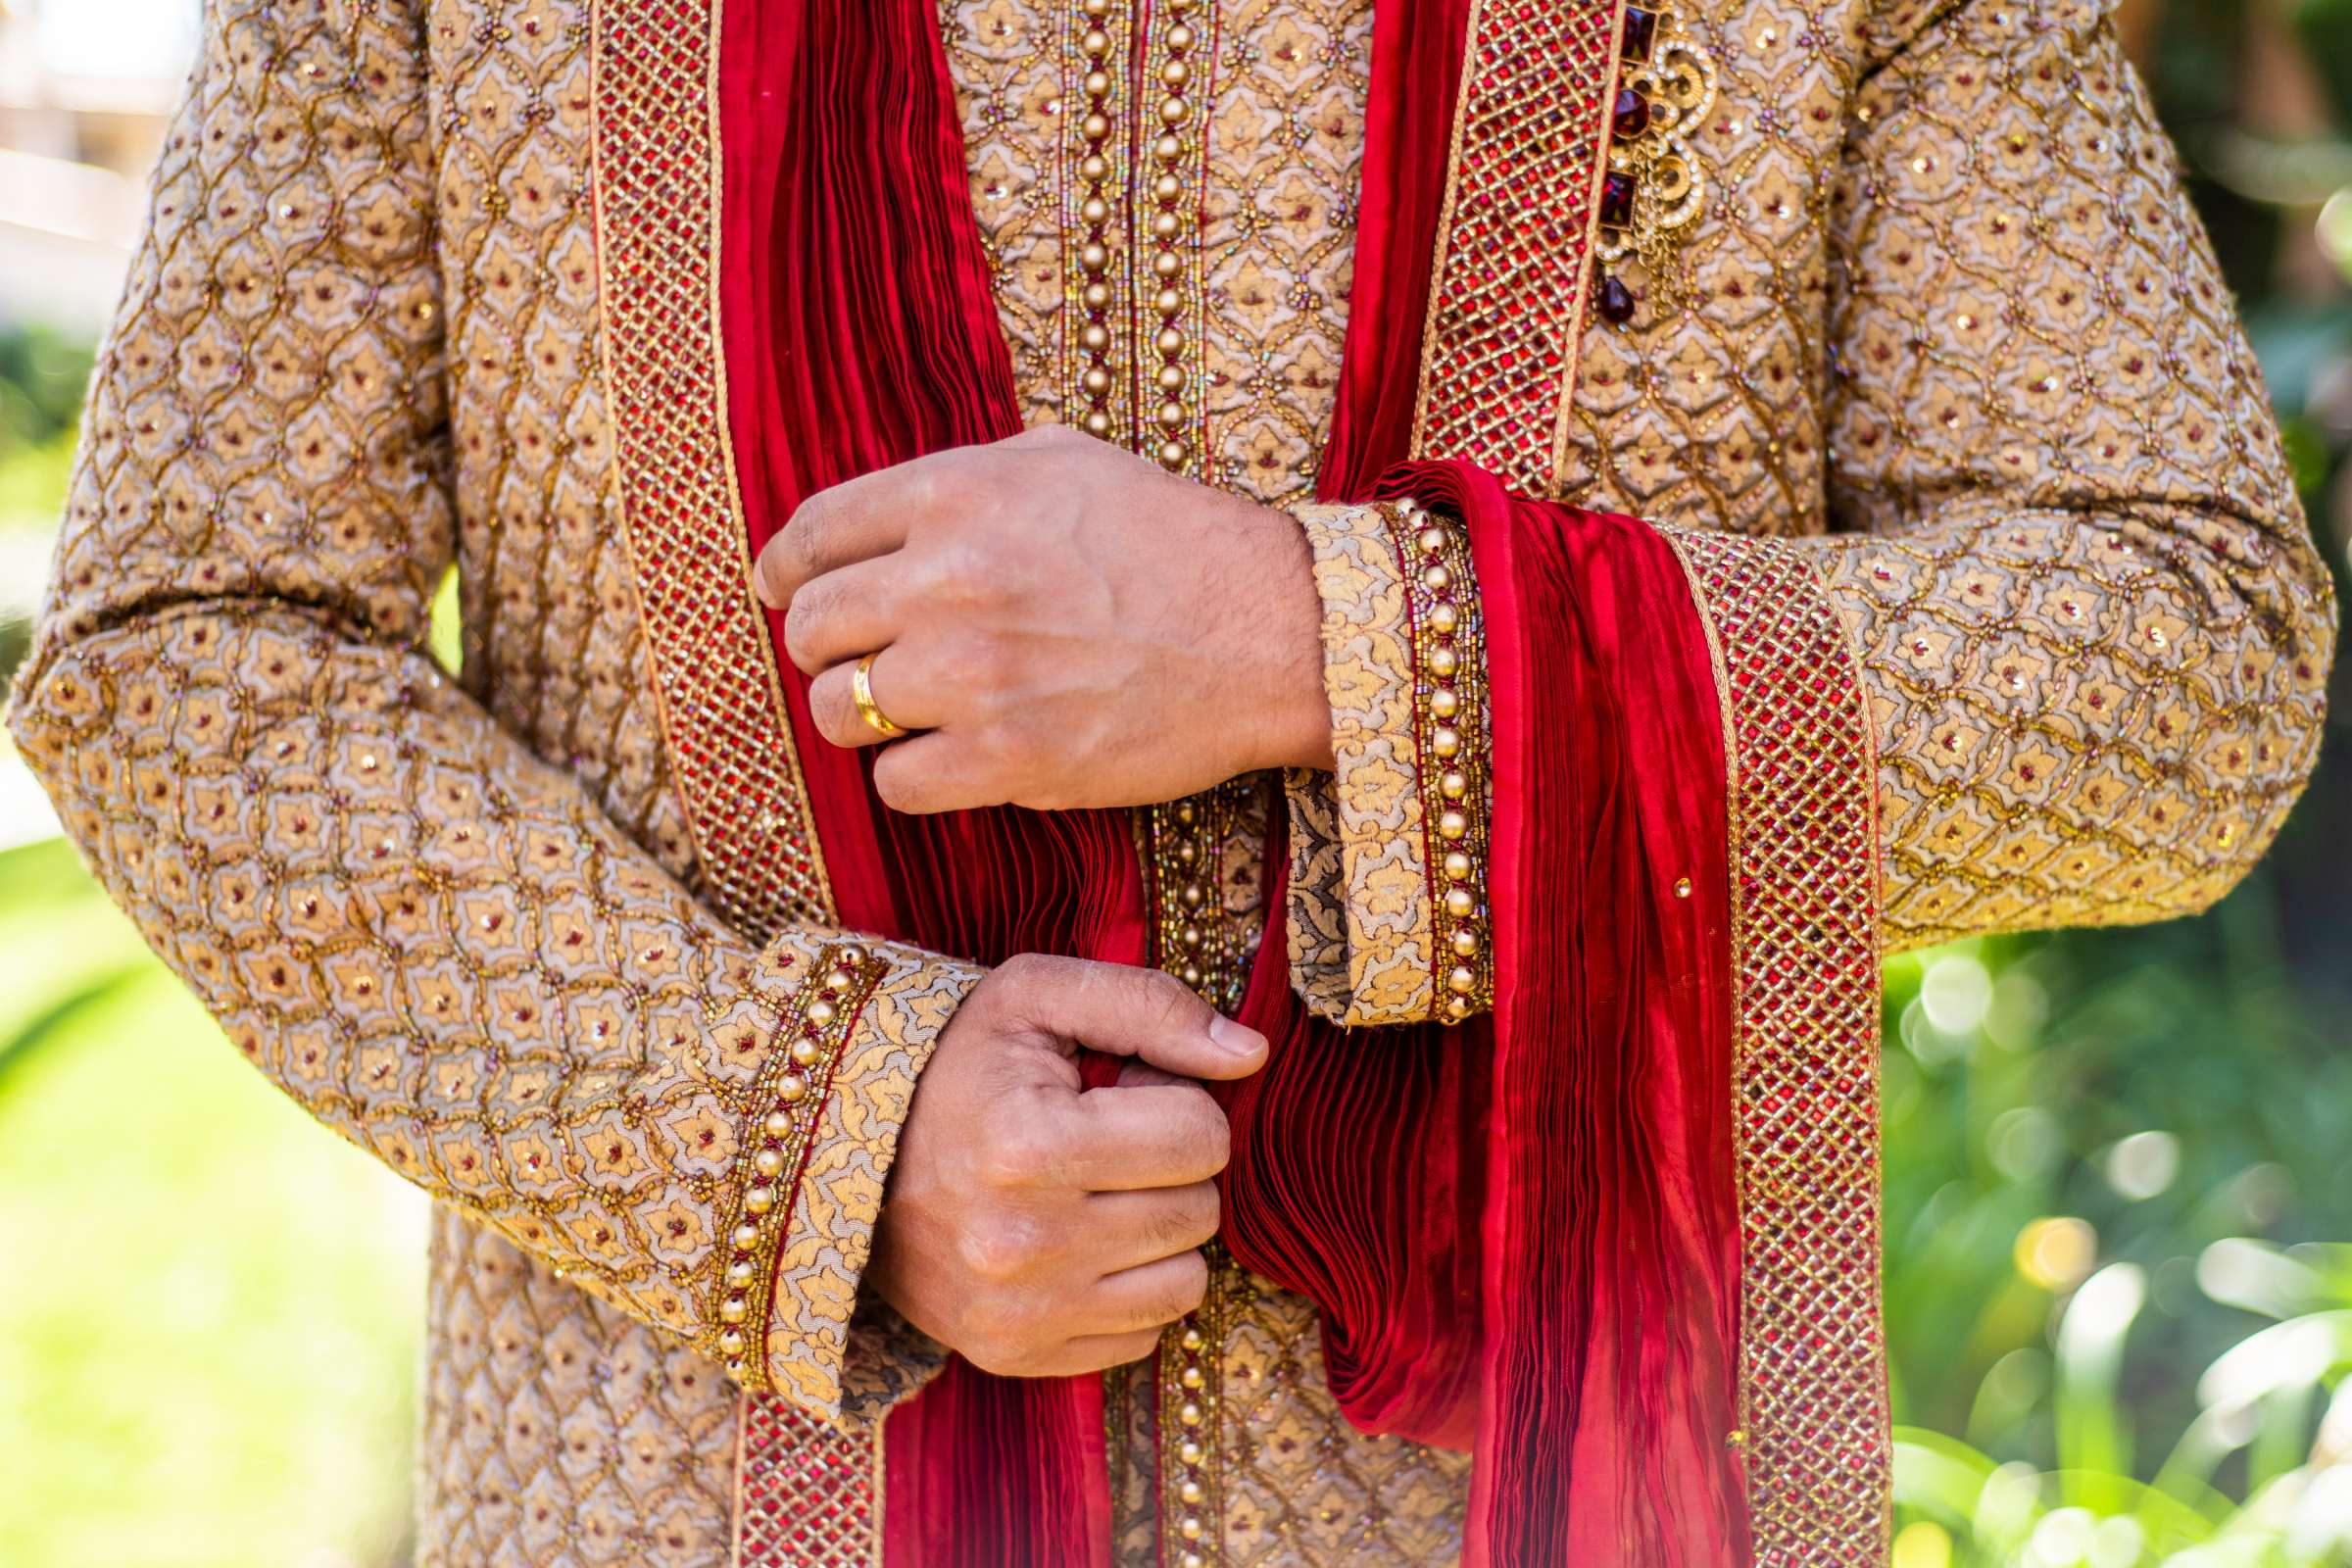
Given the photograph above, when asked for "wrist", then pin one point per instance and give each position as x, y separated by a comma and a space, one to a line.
1287, 699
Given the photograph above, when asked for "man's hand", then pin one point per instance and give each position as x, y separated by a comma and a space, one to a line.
1071, 626
1040, 1229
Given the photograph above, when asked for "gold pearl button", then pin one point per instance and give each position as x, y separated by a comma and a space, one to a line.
804, 1052
746, 1238
1436, 579
1432, 539
1452, 825
1465, 943
1453, 784
820, 1013
760, 1199
1460, 904
1446, 618
777, 1125
793, 1090
1464, 979
733, 1310
1457, 867
731, 1342
1445, 740
1189, 1452
1443, 662
1443, 702
768, 1163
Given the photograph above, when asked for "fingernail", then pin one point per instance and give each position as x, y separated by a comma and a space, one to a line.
1240, 1038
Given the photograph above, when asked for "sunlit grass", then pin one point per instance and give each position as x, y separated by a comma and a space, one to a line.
209, 1306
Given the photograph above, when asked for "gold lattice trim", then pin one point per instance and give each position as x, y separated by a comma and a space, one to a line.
1515, 247
1805, 1055
724, 715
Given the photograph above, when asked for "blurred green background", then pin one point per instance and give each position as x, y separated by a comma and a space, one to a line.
2119, 1163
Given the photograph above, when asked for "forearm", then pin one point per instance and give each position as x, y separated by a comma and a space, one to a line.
438, 945
2079, 717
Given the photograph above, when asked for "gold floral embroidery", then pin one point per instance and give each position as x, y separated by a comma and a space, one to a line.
1361, 901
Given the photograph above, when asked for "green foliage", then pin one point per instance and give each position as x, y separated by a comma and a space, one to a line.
42, 373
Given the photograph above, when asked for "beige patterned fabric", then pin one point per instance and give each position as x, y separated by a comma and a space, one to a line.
1950, 324
1362, 931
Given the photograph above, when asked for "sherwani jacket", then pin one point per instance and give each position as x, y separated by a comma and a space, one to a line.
1949, 369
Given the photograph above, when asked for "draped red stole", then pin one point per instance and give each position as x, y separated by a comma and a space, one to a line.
1521, 1233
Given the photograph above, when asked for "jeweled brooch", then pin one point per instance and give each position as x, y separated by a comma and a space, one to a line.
1654, 188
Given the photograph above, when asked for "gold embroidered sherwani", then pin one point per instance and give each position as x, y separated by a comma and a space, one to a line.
1946, 332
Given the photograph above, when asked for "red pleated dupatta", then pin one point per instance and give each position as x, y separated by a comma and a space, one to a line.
1524, 1235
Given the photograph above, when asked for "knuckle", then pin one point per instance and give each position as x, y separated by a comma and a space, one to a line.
1017, 1157
996, 1250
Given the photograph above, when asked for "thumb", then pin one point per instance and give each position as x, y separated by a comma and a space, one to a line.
1143, 1013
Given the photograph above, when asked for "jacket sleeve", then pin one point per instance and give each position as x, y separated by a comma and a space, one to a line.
2091, 624
434, 940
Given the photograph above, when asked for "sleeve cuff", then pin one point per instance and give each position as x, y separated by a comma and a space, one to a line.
1386, 914
799, 1224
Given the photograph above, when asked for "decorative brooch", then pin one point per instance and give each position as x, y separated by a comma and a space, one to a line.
1654, 188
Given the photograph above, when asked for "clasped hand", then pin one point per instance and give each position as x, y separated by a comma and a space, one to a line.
1063, 625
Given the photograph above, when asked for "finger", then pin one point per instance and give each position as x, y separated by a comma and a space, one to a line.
1129, 1139
846, 612
1149, 1295
904, 699
1134, 1074
1129, 1011
1093, 1353
936, 772
1129, 1229
867, 516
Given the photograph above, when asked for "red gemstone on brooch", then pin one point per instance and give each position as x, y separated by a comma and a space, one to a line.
1617, 201
1640, 31
1633, 114
1615, 302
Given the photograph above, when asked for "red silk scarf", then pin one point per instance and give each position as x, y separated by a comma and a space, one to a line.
1550, 1276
